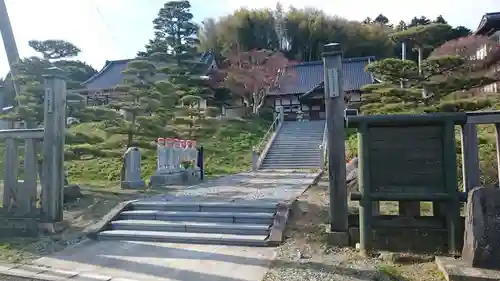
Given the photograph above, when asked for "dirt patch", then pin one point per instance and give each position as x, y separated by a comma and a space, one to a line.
305, 255
95, 203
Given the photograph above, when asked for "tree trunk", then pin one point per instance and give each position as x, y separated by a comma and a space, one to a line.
420, 55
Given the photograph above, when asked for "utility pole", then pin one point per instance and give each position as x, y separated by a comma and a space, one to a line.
335, 107
10, 46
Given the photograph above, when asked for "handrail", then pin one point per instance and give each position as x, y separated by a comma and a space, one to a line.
266, 136
259, 151
324, 147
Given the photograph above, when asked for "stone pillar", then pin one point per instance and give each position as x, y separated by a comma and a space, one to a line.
53, 146
161, 158
176, 151
133, 169
194, 155
169, 151
182, 152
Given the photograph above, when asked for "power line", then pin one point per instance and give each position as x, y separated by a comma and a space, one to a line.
107, 26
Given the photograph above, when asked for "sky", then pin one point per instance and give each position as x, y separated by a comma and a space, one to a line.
117, 29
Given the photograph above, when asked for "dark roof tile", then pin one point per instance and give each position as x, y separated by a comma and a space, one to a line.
111, 75
309, 75
490, 22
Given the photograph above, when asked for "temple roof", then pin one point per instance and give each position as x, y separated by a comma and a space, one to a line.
490, 23
111, 75
309, 75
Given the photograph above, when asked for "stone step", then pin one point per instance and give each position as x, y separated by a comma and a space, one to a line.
299, 134
291, 161
292, 164
272, 166
221, 217
184, 237
261, 207
195, 227
296, 152
295, 157
295, 146
295, 142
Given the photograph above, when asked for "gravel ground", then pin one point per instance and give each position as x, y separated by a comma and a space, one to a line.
305, 255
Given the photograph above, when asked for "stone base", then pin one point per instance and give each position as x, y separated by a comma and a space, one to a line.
185, 177
191, 176
458, 270
164, 179
138, 184
51, 227
18, 227
336, 238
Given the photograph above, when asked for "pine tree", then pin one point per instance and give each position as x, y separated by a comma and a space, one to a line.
450, 69
139, 106
174, 48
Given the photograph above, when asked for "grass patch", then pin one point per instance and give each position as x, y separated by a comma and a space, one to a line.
226, 150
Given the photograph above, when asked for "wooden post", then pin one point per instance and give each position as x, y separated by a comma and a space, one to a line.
450, 166
11, 171
365, 205
53, 146
335, 106
497, 135
28, 192
201, 163
470, 157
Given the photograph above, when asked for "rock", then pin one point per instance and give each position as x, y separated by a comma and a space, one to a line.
352, 175
388, 256
351, 165
482, 228
72, 193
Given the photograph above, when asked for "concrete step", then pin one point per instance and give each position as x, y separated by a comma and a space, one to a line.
303, 146
195, 227
295, 157
184, 237
299, 134
296, 143
272, 166
293, 164
261, 207
290, 151
221, 217
285, 161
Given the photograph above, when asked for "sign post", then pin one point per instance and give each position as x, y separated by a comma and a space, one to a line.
335, 107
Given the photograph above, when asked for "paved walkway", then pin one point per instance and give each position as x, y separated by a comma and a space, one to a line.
114, 260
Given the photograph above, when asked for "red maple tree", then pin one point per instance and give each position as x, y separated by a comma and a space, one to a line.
251, 75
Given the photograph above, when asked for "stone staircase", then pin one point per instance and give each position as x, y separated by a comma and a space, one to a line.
297, 146
225, 223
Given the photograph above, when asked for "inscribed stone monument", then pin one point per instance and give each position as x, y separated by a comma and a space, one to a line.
133, 169
482, 228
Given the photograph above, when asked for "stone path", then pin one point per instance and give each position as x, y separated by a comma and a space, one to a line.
269, 186
123, 260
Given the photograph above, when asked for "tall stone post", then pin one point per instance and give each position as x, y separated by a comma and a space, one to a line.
335, 106
53, 146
